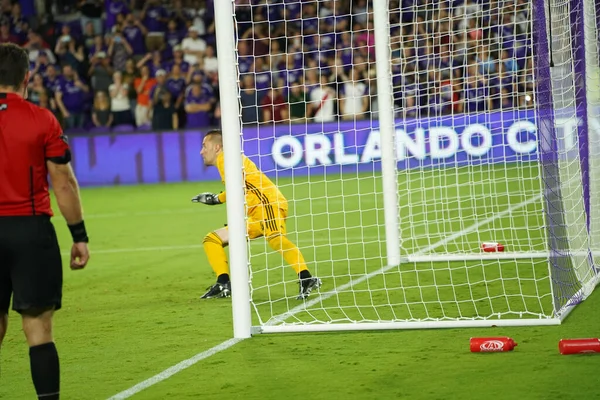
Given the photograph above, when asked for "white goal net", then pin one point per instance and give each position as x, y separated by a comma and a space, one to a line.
489, 213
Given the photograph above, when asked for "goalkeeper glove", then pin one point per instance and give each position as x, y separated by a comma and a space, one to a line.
207, 198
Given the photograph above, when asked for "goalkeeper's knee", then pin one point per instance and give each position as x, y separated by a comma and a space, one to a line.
213, 238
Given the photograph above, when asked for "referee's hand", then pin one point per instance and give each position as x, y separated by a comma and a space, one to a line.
80, 255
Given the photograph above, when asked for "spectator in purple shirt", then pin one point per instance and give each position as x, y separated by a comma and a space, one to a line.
155, 20
179, 14
19, 24
178, 60
134, 31
114, 8
245, 58
52, 78
98, 46
173, 37
41, 65
153, 61
70, 98
176, 86
199, 101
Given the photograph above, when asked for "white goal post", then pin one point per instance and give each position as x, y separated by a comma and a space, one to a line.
404, 137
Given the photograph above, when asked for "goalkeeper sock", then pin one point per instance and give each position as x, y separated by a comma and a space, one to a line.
304, 274
291, 254
215, 252
223, 279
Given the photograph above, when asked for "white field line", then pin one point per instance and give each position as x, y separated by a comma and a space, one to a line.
281, 318
169, 372
201, 209
320, 242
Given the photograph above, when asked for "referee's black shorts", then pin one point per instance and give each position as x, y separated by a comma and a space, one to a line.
30, 264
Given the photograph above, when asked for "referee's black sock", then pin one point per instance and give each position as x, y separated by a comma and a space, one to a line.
45, 371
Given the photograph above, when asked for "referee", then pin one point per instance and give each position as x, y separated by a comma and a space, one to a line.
32, 147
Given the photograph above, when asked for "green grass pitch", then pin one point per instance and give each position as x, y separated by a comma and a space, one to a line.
135, 312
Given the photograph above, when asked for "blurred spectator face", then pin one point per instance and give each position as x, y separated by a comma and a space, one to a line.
38, 80
166, 97
156, 57
172, 25
100, 97
65, 30
309, 9
98, 42
16, 10
196, 90
104, 60
35, 41
197, 78
296, 89
161, 77
210, 51
43, 58
89, 29
145, 71
259, 63
290, 60
4, 29
68, 72
176, 70
120, 19
248, 81
51, 71
130, 66
117, 77
193, 32
178, 53
243, 48
130, 19
5, 6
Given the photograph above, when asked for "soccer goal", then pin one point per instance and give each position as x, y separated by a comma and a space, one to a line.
441, 160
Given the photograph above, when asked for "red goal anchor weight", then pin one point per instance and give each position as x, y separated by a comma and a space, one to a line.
492, 344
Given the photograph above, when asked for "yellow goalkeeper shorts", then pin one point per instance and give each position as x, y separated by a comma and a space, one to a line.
266, 220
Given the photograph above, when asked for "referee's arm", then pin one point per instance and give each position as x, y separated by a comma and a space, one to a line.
66, 191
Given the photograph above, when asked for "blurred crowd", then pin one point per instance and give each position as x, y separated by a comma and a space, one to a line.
151, 64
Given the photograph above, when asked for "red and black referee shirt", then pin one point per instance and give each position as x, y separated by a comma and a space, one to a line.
29, 136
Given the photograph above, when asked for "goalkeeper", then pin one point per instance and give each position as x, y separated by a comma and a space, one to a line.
267, 211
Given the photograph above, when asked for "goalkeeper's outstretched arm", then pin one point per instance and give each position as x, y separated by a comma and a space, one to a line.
210, 199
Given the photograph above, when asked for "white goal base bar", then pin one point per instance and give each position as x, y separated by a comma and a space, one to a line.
475, 256
367, 326
486, 256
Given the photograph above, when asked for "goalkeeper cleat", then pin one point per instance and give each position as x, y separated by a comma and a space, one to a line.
218, 290
307, 285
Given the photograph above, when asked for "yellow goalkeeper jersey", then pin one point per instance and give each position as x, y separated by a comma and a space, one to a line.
259, 188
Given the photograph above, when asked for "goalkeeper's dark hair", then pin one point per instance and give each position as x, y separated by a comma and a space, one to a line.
216, 134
